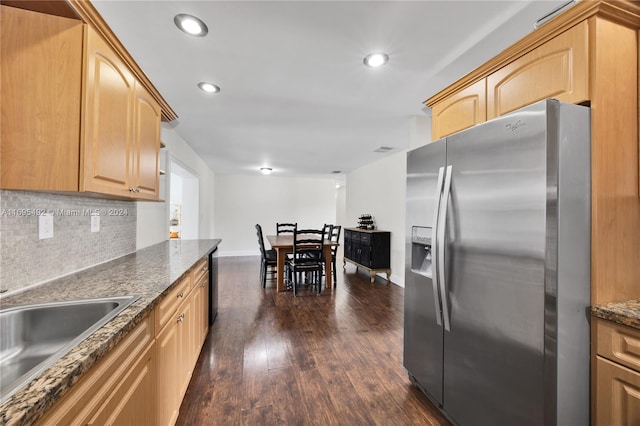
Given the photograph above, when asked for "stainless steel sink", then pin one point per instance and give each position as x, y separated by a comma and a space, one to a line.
34, 337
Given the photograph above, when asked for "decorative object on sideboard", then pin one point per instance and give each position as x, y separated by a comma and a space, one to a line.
365, 221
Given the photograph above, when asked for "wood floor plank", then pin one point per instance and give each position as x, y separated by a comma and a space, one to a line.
329, 359
258, 416
289, 408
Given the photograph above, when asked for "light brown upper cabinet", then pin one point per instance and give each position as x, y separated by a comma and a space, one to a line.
461, 110
75, 118
107, 120
146, 144
41, 65
121, 127
586, 55
558, 69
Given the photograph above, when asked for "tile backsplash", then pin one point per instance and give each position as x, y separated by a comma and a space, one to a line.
26, 260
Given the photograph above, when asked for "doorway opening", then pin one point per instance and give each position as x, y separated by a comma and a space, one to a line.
184, 209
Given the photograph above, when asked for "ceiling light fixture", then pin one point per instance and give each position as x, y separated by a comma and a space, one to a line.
266, 170
376, 59
191, 25
208, 87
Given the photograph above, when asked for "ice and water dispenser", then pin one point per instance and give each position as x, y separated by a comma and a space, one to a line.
421, 250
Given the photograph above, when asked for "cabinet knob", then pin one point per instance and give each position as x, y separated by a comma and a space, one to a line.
202, 285
181, 317
181, 294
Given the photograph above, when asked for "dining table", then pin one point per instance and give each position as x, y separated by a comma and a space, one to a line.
283, 244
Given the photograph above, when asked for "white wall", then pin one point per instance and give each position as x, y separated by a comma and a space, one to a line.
153, 217
242, 201
379, 188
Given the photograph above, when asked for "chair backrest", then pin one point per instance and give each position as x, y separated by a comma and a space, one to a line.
308, 245
284, 228
327, 229
261, 240
335, 237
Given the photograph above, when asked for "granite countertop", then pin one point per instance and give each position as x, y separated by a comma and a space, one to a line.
625, 313
149, 273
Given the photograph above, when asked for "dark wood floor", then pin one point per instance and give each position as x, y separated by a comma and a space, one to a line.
332, 359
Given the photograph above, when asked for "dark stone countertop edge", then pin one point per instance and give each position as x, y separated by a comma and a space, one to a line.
150, 272
624, 313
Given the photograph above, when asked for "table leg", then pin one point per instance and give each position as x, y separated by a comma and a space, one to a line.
328, 272
280, 265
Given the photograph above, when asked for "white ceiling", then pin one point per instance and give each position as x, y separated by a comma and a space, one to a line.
295, 94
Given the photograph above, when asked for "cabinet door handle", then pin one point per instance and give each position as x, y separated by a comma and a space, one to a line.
181, 317
202, 285
181, 294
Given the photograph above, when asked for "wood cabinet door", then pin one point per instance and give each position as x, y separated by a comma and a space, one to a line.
200, 303
169, 379
107, 115
105, 387
146, 145
618, 394
186, 337
133, 402
348, 248
558, 69
41, 74
459, 111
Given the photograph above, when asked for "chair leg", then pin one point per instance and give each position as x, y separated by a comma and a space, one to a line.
294, 275
263, 273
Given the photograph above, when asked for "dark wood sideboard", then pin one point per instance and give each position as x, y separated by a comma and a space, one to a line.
369, 250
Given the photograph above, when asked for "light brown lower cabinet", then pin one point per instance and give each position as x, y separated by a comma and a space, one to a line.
617, 387
132, 402
179, 344
142, 381
618, 402
117, 390
186, 337
168, 395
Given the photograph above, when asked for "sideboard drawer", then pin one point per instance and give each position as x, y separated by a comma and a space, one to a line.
351, 235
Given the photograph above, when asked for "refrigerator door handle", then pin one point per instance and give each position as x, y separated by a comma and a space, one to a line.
440, 231
434, 246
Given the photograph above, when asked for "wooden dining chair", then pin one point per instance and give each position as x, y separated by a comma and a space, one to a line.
334, 238
307, 259
285, 228
269, 259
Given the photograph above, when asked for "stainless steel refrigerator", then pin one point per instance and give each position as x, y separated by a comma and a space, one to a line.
497, 278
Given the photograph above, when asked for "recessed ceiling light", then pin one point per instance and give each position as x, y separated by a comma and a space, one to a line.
191, 25
208, 87
266, 170
376, 59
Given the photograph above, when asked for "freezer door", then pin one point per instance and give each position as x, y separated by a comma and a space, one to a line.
495, 268
422, 331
